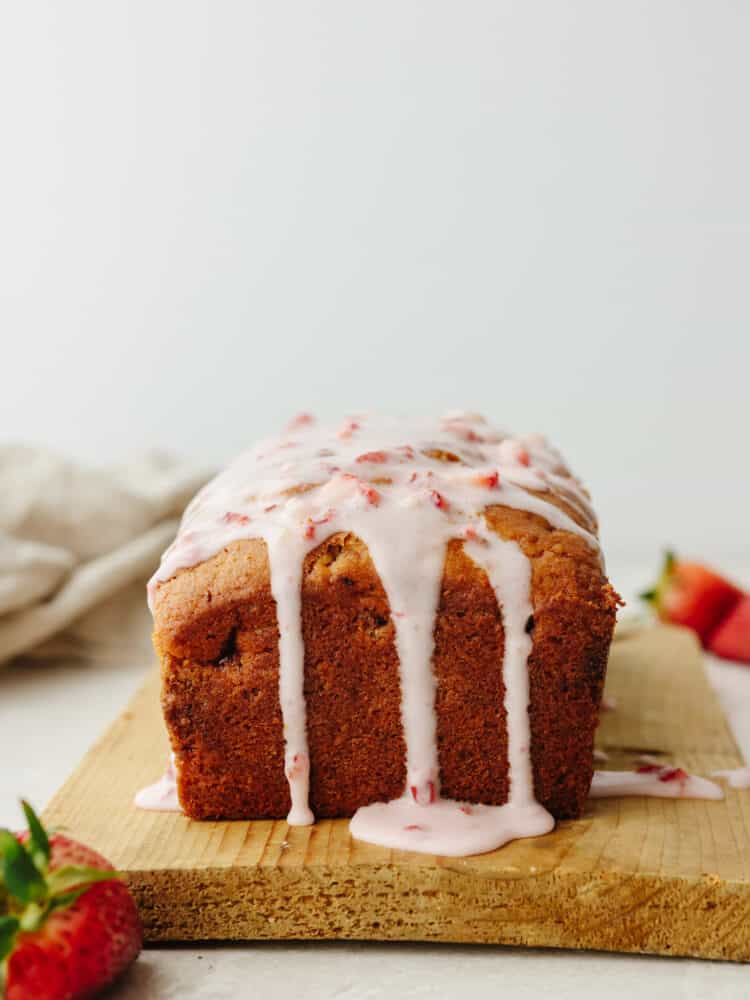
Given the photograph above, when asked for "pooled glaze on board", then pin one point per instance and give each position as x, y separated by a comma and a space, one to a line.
406, 488
737, 777
162, 795
654, 781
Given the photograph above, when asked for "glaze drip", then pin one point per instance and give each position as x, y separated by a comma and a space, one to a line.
658, 783
737, 777
162, 795
286, 587
406, 488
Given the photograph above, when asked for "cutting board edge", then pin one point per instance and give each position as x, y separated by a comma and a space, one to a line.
257, 904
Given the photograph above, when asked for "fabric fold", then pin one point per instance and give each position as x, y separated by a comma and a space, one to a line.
72, 537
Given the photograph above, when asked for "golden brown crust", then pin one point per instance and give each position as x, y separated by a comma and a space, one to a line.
215, 632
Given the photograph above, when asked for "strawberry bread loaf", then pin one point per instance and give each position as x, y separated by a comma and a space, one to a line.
403, 622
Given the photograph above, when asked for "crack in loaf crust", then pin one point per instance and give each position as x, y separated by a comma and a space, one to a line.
217, 638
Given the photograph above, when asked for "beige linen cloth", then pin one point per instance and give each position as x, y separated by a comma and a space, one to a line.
77, 545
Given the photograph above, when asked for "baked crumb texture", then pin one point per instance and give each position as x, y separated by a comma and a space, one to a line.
217, 639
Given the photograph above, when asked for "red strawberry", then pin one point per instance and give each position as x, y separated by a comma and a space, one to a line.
368, 492
489, 479
731, 639
692, 595
313, 522
350, 426
439, 500
300, 420
673, 774
68, 925
232, 517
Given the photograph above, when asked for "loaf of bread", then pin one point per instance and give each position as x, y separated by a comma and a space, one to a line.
404, 620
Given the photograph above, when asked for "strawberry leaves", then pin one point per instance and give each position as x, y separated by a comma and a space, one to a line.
59, 935
20, 875
38, 839
653, 594
69, 877
8, 929
30, 892
692, 595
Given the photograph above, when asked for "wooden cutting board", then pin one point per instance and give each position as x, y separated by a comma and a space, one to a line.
636, 875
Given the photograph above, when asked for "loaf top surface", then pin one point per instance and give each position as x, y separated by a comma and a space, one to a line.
382, 478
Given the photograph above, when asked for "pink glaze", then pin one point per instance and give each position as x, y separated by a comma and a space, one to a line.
162, 795
406, 518
738, 777
655, 781
647, 759
453, 829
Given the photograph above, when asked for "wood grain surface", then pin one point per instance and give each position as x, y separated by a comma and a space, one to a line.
637, 875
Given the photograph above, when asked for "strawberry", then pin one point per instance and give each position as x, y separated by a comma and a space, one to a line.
489, 479
68, 925
439, 500
300, 420
313, 522
731, 638
673, 774
424, 794
232, 517
692, 595
349, 427
368, 492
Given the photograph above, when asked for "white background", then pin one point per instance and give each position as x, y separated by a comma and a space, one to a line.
216, 214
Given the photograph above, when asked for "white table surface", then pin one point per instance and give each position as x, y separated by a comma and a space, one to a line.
50, 714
